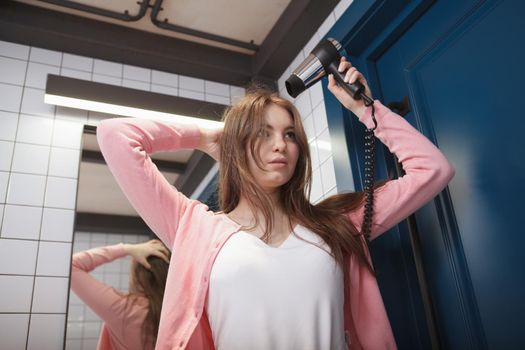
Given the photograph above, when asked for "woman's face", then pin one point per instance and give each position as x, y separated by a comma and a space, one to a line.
278, 149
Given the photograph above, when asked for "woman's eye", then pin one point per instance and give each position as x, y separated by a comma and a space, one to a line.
290, 135
263, 133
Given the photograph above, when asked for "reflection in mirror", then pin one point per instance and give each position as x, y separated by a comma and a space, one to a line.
105, 218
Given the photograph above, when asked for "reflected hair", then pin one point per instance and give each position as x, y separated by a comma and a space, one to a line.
328, 219
149, 283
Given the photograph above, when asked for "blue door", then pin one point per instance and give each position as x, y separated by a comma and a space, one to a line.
451, 277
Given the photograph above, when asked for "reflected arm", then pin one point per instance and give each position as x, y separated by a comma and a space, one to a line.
107, 302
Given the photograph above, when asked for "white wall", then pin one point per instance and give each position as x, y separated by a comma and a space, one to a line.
39, 156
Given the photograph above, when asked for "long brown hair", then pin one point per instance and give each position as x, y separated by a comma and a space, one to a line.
327, 218
149, 283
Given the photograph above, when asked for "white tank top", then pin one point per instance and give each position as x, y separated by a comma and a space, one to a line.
284, 298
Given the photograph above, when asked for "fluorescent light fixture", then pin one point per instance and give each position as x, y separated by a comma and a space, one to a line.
104, 98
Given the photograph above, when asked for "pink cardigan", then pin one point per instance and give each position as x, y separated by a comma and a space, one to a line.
122, 328
196, 235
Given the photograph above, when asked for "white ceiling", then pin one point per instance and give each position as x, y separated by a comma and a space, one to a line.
243, 20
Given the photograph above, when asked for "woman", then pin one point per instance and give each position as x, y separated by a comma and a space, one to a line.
131, 320
271, 271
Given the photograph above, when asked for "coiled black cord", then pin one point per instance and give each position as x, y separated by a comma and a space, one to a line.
366, 228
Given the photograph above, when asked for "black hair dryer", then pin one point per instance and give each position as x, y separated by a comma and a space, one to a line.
324, 59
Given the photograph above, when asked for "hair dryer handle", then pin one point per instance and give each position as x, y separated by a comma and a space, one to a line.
355, 90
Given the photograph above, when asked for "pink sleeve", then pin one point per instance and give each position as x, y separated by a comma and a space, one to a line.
427, 171
126, 144
104, 300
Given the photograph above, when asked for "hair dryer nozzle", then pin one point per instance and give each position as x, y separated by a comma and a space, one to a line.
294, 85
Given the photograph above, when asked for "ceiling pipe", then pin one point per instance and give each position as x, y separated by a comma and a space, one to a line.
164, 24
102, 12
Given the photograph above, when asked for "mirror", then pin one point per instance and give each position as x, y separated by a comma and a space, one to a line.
104, 217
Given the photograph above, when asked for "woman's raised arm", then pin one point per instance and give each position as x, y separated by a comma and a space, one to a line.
427, 171
126, 144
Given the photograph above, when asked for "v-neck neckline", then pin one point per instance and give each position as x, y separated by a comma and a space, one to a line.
266, 245
239, 229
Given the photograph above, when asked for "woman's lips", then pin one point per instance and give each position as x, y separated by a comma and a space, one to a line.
279, 163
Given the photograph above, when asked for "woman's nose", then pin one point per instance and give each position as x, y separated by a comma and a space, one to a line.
279, 144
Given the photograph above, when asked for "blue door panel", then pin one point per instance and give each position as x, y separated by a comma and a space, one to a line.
461, 65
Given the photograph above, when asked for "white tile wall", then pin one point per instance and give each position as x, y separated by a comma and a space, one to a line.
166, 90
4, 176
9, 122
33, 129
137, 73
16, 293
107, 79
77, 62
50, 295
163, 78
214, 88
77, 74
32, 159
193, 84
225, 100
46, 332
12, 71
37, 74
33, 103
45, 56
57, 225
18, 257
68, 133
51, 258
195, 95
13, 50
107, 68
13, 331
6, 155
21, 221
26, 189
64, 162
61, 193
11, 97
27, 121
135, 84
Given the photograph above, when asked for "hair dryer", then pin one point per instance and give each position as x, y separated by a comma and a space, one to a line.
324, 59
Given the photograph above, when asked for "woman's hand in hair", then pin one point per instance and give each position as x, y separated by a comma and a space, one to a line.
352, 74
141, 251
210, 142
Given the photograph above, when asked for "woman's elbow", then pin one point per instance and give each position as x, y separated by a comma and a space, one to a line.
443, 172
105, 131
448, 171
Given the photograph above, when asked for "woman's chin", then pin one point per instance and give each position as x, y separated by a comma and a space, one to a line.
274, 184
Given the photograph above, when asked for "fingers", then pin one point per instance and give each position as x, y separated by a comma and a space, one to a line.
144, 262
344, 65
162, 255
351, 73
157, 248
